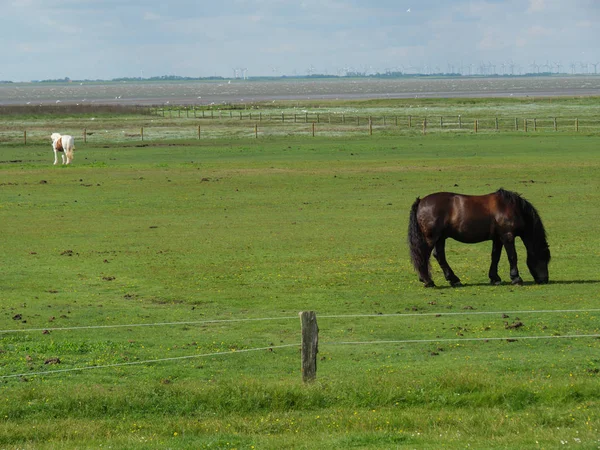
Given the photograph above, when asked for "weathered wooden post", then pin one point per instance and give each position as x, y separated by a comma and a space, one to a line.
424, 125
577, 124
525, 125
534, 124
476, 125
85, 135
256, 131
496, 124
409, 121
516, 124
555, 124
370, 126
25, 137
310, 345
142, 133
198, 131
313, 129
441, 121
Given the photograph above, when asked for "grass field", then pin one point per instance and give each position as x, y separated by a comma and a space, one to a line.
219, 231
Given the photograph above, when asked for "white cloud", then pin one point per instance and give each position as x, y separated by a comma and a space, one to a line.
536, 6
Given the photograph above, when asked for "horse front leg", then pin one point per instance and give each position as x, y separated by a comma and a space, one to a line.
55, 157
509, 244
496, 252
439, 253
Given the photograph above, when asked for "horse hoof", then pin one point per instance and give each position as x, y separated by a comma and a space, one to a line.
456, 284
495, 282
429, 284
517, 281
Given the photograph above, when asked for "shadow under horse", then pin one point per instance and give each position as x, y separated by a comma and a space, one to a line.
500, 217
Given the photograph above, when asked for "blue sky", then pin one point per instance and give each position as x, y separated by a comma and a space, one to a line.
90, 39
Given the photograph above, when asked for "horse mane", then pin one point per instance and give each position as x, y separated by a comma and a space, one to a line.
534, 227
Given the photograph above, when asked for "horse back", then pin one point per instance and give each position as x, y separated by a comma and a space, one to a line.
465, 218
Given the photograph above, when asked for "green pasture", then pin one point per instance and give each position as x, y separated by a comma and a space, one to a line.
200, 254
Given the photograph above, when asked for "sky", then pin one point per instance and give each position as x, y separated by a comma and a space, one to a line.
105, 39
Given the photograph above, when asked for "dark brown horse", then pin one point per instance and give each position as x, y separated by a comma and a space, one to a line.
500, 217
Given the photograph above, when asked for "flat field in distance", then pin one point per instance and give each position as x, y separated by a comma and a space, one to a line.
198, 253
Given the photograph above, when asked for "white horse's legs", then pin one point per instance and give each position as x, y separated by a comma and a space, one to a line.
64, 158
55, 157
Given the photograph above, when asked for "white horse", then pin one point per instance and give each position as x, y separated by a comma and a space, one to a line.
64, 144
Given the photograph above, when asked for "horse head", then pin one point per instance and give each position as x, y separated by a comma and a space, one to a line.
538, 258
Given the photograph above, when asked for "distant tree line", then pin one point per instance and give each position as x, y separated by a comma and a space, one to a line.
390, 74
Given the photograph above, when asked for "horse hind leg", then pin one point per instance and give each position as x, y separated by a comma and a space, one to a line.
496, 252
439, 253
423, 267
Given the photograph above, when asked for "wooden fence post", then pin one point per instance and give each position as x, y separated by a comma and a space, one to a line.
516, 124
25, 137
577, 124
534, 124
496, 124
409, 121
424, 125
310, 345
370, 126
142, 133
85, 135
476, 125
525, 125
198, 131
313, 129
555, 124
256, 131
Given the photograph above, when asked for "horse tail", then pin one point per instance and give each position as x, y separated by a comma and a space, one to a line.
416, 242
69, 147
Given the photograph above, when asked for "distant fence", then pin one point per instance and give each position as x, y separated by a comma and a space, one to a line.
102, 123
246, 125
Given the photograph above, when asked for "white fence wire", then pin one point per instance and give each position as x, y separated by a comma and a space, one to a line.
297, 345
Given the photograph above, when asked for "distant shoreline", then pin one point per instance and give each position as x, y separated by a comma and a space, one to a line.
209, 92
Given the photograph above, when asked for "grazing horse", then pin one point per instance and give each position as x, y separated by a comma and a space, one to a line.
500, 217
64, 145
